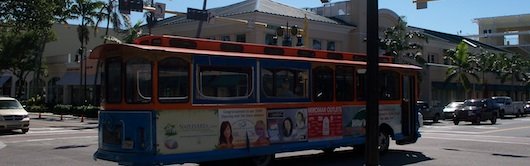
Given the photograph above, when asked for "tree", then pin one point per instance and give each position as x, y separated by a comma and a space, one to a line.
87, 11
111, 14
485, 63
513, 68
463, 66
30, 21
18, 55
398, 39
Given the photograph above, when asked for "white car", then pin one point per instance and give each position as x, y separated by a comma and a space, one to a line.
12, 115
450, 108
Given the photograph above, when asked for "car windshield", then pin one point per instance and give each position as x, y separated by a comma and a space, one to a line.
498, 100
454, 105
476, 103
9, 104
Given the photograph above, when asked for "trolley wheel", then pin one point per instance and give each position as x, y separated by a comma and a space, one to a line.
384, 142
262, 160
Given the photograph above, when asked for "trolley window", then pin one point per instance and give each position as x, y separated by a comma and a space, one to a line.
389, 85
225, 82
138, 81
173, 83
285, 83
322, 84
344, 83
113, 80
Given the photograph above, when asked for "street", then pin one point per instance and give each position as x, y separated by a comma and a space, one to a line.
70, 142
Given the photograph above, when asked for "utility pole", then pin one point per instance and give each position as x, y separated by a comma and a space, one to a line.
372, 103
201, 22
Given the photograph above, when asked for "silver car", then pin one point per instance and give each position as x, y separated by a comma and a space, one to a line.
450, 108
12, 115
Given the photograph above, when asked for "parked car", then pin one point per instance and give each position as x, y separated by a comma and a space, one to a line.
507, 106
527, 108
450, 108
12, 115
428, 112
475, 111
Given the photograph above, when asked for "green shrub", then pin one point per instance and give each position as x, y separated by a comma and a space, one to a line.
62, 109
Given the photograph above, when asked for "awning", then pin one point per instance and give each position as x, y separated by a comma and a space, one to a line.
72, 78
4, 79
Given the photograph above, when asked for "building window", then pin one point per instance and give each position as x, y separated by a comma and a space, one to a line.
322, 84
241, 38
269, 39
225, 38
316, 44
331, 46
431, 58
173, 83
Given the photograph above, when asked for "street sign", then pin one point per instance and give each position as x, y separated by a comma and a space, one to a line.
196, 14
421, 5
160, 10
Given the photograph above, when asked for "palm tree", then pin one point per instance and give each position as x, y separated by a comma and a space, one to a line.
111, 14
397, 39
87, 11
485, 63
513, 68
463, 66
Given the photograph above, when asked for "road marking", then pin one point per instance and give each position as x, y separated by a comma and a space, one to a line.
474, 132
50, 139
485, 127
53, 132
508, 129
477, 140
2, 145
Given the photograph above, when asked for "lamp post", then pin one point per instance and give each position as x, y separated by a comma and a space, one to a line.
199, 29
372, 71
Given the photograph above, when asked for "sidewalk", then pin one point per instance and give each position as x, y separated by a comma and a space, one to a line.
53, 120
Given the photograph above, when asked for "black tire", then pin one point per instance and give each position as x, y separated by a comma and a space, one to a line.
493, 119
519, 114
359, 148
501, 114
383, 142
328, 150
436, 118
476, 121
261, 160
456, 121
25, 130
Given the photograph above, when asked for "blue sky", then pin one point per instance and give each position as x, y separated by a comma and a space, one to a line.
450, 16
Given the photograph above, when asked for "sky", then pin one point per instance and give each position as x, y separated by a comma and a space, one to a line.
449, 16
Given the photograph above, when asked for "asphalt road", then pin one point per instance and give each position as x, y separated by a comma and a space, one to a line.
69, 142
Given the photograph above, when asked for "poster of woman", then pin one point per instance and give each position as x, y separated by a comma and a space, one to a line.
242, 125
287, 125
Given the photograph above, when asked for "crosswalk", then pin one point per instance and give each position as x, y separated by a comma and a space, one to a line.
38, 135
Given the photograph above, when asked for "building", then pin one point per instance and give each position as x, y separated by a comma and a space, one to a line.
63, 81
339, 26
508, 32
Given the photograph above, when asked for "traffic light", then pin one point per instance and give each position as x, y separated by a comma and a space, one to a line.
137, 5
123, 6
